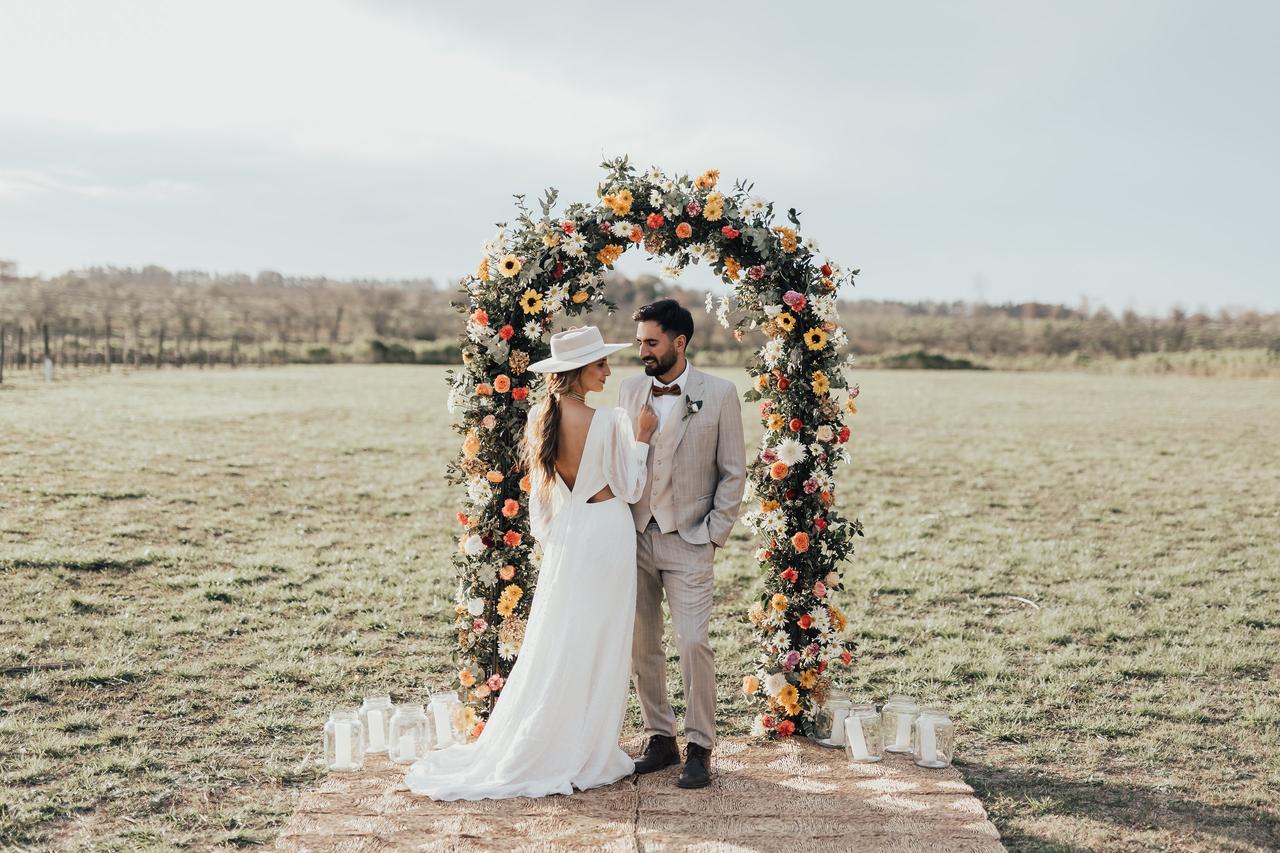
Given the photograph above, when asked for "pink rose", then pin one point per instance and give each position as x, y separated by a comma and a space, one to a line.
479, 625
794, 299
489, 422
820, 589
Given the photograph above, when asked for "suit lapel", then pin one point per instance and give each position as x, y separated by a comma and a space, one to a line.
677, 422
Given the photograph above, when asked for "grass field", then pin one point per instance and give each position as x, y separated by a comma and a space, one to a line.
196, 566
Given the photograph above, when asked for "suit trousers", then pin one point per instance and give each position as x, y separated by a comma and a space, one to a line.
665, 562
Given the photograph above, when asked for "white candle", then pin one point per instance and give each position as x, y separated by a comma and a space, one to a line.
857, 740
342, 745
838, 716
444, 728
377, 735
903, 740
928, 740
406, 747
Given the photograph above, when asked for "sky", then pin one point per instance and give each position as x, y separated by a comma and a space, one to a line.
1119, 153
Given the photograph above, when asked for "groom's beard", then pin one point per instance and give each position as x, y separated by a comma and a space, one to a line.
661, 366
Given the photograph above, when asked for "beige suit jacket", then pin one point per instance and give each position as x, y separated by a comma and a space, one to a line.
697, 464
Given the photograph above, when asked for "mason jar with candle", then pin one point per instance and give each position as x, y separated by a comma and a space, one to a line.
863, 736
344, 741
840, 705
896, 718
375, 714
935, 738
410, 734
441, 708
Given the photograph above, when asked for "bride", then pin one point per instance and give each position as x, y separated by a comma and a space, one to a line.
556, 724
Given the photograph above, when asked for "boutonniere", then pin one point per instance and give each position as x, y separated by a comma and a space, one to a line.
691, 407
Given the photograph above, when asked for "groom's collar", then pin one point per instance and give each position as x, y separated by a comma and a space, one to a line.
682, 379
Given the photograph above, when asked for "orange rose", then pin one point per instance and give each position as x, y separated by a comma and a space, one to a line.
778, 470
507, 572
511, 508
526, 484
684, 230
466, 678
480, 317
580, 297
511, 538
800, 542
750, 684
502, 384
484, 389
494, 477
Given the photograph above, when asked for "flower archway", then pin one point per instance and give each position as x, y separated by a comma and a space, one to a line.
547, 266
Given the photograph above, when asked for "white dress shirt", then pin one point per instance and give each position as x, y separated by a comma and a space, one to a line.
663, 406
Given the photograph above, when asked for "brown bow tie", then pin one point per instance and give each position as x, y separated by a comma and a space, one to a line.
663, 390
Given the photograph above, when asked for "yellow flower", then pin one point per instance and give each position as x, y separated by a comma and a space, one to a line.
788, 235
619, 202
609, 254
778, 602
510, 266
769, 506
815, 339
707, 179
762, 381
776, 422
580, 297
731, 268
482, 272
785, 321
821, 384
838, 620
848, 404
551, 239
788, 695
531, 301
808, 679
714, 208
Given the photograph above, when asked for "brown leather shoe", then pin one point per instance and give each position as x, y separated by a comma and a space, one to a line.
697, 767
661, 751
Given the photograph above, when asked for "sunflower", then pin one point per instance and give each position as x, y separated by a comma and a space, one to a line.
815, 339
510, 266
785, 321
531, 301
821, 384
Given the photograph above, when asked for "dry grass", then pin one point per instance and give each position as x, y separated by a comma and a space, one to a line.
197, 566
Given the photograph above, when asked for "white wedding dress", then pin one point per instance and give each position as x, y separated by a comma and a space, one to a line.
557, 722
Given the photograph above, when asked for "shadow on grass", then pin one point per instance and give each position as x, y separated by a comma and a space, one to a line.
1131, 807
90, 564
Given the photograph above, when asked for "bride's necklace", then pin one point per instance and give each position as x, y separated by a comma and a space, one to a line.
575, 395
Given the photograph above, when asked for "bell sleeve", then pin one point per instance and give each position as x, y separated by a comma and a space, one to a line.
625, 459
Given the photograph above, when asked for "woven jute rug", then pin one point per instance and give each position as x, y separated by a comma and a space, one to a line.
783, 795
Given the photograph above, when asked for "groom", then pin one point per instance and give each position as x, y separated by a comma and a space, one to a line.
696, 475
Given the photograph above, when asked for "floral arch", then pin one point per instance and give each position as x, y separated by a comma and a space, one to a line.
546, 266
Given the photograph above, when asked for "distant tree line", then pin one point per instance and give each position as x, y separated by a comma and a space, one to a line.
152, 316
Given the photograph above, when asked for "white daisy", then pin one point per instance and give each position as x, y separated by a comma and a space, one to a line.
573, 245
791, 452
532, 330
507, 651
621, 228
771, 353
655, 199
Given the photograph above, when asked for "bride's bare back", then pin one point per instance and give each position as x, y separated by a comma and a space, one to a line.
571, 439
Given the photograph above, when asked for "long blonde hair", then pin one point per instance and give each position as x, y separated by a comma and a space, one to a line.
542, 438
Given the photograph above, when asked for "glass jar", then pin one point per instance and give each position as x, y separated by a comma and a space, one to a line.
935, 738
442, 716
375, 714
863, 734
841, 705
410, 734
344, 741
896, 719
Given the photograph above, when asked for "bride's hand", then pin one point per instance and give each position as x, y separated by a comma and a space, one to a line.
647, 423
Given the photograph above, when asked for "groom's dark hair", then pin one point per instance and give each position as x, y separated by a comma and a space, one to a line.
671, 317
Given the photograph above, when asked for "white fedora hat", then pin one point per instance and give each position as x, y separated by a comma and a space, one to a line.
574, 348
